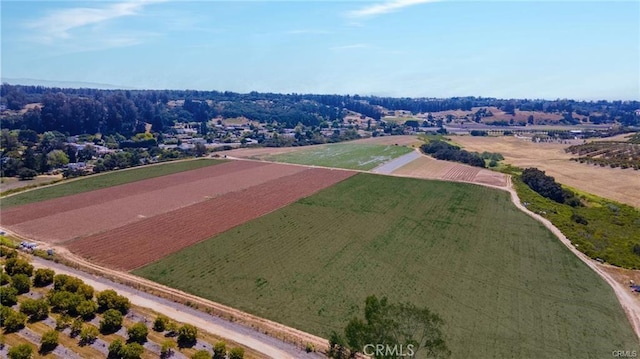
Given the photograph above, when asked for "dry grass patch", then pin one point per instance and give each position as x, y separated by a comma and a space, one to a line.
613, 183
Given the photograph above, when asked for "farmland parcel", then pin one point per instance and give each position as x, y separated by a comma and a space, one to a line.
343, 155
105, 180
504, 285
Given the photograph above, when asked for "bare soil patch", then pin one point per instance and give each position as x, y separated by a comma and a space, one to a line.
108, 214
622, 185
134, 245
430, 168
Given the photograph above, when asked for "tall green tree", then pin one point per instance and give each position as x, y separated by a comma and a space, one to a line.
400, 328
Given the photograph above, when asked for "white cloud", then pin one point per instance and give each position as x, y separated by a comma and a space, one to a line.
386, 7
349, 47
59, 24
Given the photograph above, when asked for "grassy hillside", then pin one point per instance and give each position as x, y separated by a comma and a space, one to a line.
342, 155
504, 285
108, 179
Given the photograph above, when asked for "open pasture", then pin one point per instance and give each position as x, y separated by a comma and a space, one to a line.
341, 155
104, 180
618, 184
505, 286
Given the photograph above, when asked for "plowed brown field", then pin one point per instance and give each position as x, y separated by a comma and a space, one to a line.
36, 210
134, 245
100, 216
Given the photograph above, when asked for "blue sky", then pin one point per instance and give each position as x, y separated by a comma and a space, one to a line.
508, 49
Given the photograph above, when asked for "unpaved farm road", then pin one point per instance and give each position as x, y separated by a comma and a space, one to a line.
248, 337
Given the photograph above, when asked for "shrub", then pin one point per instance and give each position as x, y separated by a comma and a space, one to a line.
109, 299
8, 296
220, 350
132, 351
21, 282
236, 353
48, 341
36, 309
88, 334
76, 326
579, 219
168, 346
111, 321
138, 333
5, 278
42, 277
16, 265
187, 335
14, 321
21, 351
160, 323
87, 309
115, 349
63, 321
26, 174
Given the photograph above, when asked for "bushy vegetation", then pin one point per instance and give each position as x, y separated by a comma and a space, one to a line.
402, 327
547, 187
445, 151
600, 228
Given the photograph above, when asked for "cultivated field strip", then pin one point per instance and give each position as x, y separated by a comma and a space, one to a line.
430, 168
36, 210
103, 216
148, 240
462, 173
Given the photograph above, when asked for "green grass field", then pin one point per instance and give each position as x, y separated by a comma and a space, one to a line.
505, 286
107, 179
342, 155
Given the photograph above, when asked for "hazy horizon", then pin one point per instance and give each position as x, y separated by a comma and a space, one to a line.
403, 48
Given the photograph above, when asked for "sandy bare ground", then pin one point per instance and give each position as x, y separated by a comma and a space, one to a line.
622, 185
430, 168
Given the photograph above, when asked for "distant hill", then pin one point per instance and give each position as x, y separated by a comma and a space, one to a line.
62, 84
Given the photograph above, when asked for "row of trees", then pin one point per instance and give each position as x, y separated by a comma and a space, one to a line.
547, 187
444, 151
73, 301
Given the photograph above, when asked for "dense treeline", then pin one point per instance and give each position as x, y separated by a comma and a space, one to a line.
125, 111
444, 151
547, 187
